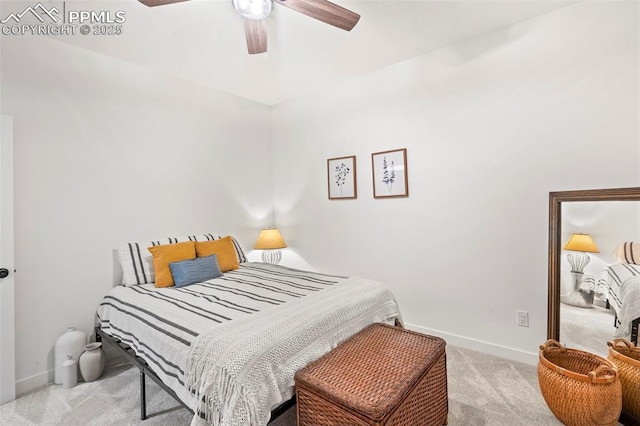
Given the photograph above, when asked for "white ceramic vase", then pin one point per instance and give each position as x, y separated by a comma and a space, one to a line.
92, 362
71, 342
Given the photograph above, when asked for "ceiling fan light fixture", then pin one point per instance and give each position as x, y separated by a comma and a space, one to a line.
253, 9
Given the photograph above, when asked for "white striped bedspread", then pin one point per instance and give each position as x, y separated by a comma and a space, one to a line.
620, 285
161, 324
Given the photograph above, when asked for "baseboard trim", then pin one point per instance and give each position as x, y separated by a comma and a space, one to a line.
34, 382
479, 345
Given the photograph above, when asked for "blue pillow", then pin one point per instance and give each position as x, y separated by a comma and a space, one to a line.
195, 270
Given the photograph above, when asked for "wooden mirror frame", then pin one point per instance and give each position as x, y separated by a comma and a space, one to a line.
555, 245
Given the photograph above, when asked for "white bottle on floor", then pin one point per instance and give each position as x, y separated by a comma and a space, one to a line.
69, 372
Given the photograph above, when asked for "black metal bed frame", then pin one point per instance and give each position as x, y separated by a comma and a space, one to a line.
635, 324
626, 418
145, 371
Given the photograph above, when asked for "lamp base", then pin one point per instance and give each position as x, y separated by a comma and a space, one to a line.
578, 260
271, 256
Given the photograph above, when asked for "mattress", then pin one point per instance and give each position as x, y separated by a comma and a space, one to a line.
161, 324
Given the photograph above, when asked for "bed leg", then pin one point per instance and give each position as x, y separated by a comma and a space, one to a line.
143, 397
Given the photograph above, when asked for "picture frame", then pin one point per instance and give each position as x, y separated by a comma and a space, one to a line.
341, 178
390, 173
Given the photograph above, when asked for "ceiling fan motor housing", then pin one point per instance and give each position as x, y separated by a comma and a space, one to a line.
253, 9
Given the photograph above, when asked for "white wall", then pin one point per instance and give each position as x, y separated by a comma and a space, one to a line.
106, 152
491, 126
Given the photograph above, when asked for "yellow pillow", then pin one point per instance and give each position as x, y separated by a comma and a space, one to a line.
223, 248
165, 254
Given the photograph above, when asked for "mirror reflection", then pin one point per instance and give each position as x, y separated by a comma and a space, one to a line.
597, 271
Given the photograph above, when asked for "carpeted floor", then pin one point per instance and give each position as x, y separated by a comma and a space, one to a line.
483, 390
587, 329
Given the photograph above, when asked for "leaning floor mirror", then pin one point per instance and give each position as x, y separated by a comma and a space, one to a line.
594, 267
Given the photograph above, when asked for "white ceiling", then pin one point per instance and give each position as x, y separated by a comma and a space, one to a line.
203, 40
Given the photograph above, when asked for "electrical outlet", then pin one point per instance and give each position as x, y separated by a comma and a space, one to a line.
523, 318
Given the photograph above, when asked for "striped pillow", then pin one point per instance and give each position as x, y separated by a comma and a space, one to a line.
628, 252
137, 261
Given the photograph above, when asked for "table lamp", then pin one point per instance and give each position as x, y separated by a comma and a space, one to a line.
271, 242
579, 245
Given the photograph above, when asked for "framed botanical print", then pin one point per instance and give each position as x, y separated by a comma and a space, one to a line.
390, 174
341, 176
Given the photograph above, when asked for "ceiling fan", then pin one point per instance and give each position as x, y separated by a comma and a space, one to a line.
254, 12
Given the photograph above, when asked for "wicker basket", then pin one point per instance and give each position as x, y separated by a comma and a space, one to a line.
382, 376
580, 388
626, 357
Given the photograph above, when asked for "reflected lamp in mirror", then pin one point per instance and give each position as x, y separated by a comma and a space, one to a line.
578, 246
270, 241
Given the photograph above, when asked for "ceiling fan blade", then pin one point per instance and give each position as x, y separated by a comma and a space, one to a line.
152, 3
325, 11
256, 33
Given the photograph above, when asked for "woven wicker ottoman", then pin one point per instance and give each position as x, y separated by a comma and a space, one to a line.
383, 375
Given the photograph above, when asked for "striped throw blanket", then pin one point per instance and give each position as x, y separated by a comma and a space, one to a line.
241, 369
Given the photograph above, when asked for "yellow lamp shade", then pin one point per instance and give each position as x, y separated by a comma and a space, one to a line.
270, 239
581, 242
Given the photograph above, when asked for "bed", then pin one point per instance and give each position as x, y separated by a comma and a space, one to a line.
619, 285
227, 348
